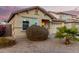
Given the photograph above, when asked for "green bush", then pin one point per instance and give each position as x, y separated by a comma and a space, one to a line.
4, 42
67, 33
61, 32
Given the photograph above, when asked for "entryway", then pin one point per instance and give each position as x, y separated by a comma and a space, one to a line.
45, 23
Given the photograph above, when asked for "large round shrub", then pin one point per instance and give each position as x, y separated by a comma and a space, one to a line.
37, 33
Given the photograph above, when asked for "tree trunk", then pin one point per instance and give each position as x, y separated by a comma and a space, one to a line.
67, 41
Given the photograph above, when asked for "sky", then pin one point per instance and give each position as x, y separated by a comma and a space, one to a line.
61, 8
57, 8
5, 11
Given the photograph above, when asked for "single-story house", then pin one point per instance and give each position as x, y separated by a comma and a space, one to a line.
24, 18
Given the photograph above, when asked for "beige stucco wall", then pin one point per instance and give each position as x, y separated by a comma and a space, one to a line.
17, 21
54, 26
65, 17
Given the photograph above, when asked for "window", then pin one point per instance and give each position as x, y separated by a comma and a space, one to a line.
25, 25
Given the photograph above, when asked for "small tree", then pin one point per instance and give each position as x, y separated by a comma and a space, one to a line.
67, 33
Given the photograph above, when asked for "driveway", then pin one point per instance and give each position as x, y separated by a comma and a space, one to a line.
51, 45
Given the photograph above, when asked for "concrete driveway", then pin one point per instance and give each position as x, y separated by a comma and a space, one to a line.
51, 45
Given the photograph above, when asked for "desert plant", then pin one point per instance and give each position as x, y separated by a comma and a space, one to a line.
67, 33
4, 42
37, 33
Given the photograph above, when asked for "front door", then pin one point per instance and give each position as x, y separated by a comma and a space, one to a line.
45, 23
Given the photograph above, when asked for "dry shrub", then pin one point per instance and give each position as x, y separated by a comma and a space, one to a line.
37, 33
4, 42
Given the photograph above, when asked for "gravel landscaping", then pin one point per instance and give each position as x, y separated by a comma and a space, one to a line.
49, 46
